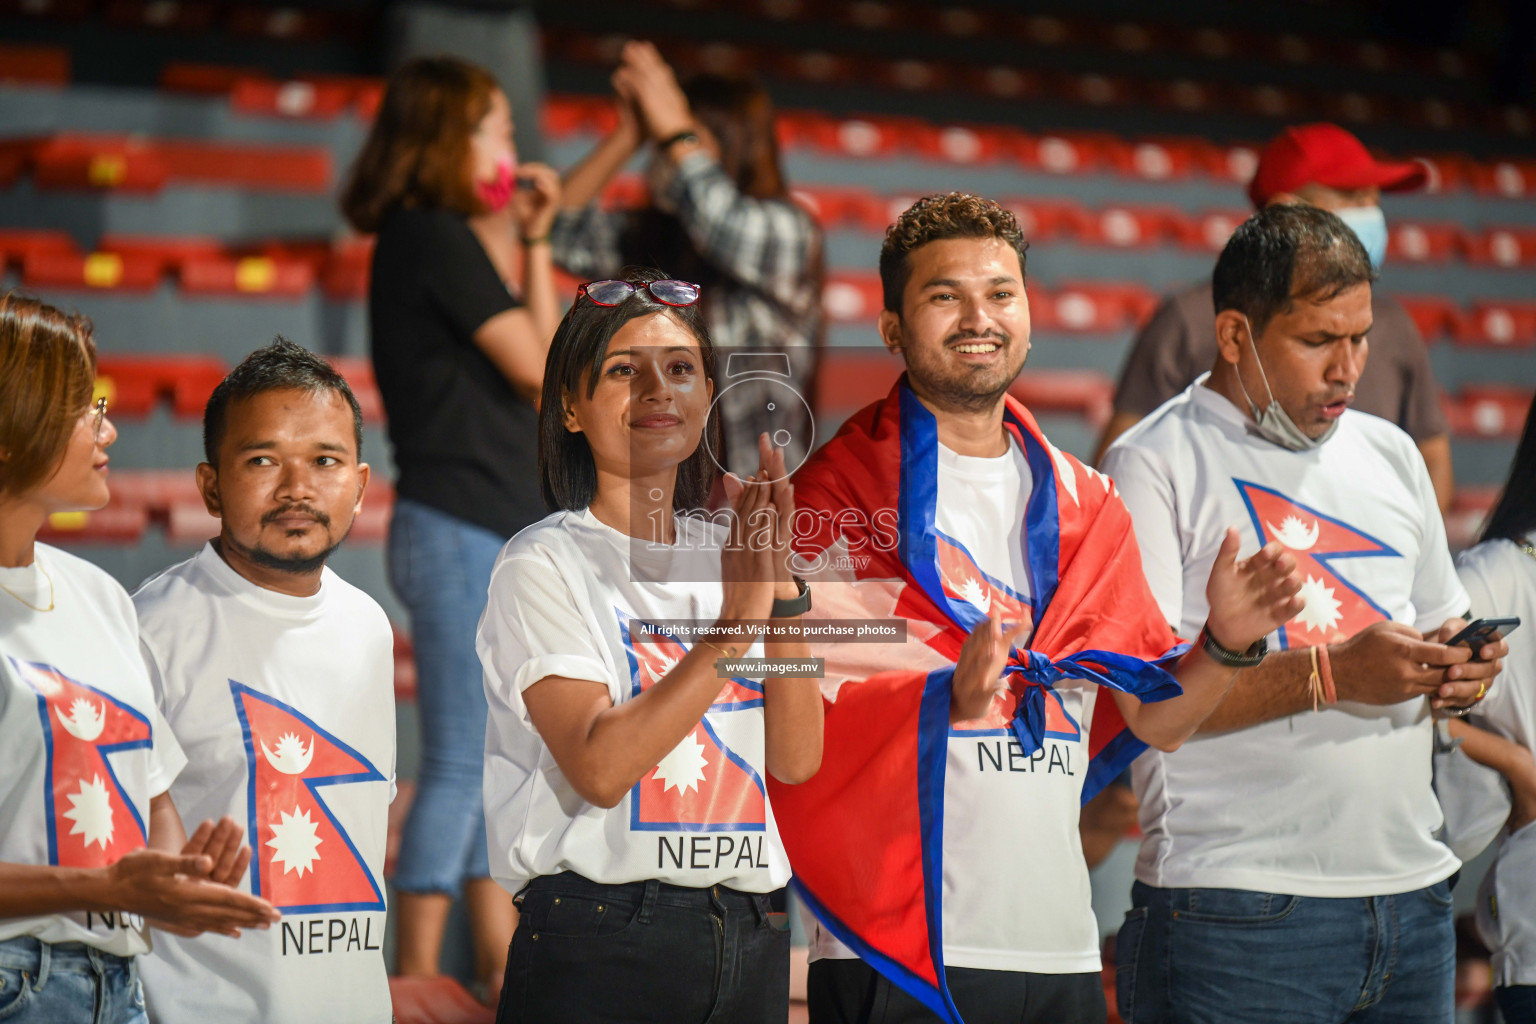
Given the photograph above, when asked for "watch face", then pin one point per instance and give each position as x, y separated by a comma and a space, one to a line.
771, 405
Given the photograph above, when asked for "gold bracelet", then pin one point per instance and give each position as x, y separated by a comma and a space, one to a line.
717, 647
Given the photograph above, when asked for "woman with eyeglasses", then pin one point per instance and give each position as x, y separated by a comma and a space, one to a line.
626, 756
458, 352
91, 848
718, 212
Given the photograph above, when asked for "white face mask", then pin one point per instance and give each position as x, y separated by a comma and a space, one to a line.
1273, 423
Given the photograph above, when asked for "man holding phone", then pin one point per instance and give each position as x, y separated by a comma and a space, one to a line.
1288, 869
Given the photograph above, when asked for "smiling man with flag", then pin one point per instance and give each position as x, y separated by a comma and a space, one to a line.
277, 678
938, 844
1289, 870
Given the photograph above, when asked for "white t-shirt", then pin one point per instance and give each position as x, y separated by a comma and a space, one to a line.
285, 707
562, 595
1336, 803
82, 747
1016, 891
1501, 579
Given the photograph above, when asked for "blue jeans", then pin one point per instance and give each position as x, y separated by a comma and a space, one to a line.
440, 566
67, 983
1517, 1003
1229, 956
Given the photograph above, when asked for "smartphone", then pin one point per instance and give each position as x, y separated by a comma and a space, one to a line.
1481, 632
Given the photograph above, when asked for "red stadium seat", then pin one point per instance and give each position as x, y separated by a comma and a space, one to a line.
108, 271
169, 253
1049, 219
251, 276
1207, 231
1423, 242
134, 384
849, 379
1469, 511
359, 374
111, 525
1502, 247
1491, 411
212, 79
1498, 323
1091, 307
1129, 227
279, 168
852, 298
16, 244
1511, 179
1434, 315
1447, 172
153, 490
435, 1000
296, 99
71, 161
1085, 393
34, 65
345, 274
1165, 159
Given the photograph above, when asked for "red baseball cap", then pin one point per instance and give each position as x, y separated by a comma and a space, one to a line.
1326, 154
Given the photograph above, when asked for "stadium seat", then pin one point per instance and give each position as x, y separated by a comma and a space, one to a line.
1469, 511
1085, 393
1501, 247
435, 1000
1423, 242
849, 379
258, 167
1091, 307
1044, 220
1207, 231
108, 271
852, 298
248, 276
1498, 323
16, 244
1488, 411
133, 384
34, 65
1434, 315
168, 252
359, 373
1511, 179
294, 99
111, 525
1129, 227
77, 161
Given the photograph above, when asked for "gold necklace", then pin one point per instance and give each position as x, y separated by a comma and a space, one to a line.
29, 604
1529, 548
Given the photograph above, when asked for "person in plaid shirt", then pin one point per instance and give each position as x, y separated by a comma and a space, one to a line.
720, 215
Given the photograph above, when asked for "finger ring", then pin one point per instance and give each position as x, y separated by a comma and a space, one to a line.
1460, 712
1482, 691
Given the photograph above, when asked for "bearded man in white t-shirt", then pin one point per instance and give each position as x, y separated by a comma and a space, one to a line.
1289, 870
1007, 559
277, 678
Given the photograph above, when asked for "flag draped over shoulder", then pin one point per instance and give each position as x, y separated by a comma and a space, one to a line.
865, 835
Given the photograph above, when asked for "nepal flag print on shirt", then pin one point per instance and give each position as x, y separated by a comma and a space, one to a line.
302, 860
91, 821
702, 785
1335, 608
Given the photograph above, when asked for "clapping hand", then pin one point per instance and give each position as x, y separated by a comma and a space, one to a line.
1250, 598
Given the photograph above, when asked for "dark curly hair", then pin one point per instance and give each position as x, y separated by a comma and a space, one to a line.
933, 219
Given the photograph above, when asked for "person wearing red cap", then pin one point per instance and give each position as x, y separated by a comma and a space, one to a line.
1325, 166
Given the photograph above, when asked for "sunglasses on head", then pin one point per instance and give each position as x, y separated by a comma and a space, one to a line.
668, 293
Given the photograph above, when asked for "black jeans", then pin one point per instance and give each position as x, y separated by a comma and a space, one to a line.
852, 992
1517, 1003
585, 953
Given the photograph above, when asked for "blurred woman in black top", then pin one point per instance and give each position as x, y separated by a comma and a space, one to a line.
459, 358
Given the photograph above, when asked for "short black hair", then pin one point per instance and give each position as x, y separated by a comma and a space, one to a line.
280, 366
567, 473
1284, 252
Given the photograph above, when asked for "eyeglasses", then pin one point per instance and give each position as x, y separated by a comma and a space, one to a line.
668, 293
98, 412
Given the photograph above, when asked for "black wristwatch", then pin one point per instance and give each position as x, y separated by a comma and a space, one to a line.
797, 605
1233, 659
686, 135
